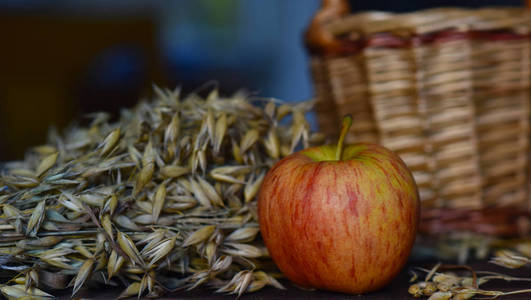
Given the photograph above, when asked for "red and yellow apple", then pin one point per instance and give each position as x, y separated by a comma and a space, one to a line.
340, 218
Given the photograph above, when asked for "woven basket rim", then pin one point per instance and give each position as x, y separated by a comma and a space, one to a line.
429, 20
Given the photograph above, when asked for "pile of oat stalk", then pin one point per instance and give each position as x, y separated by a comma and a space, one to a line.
160, 201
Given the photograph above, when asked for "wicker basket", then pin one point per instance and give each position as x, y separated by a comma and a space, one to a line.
447, 89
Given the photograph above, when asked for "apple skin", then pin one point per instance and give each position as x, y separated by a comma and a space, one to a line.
346, 226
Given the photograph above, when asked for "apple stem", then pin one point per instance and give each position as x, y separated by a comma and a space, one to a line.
345, 126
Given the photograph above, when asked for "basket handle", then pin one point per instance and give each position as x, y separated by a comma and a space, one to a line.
317, 38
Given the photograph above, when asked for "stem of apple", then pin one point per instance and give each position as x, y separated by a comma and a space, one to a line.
345, 126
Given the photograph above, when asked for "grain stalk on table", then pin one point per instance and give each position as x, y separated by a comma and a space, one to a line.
438, 285
162, 200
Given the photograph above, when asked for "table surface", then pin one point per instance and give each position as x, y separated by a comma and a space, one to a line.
396, 290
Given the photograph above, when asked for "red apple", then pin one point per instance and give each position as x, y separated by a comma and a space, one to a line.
339, 218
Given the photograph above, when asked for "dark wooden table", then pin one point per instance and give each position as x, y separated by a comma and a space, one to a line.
397, 290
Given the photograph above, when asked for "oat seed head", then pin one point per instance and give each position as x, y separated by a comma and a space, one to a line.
164, 198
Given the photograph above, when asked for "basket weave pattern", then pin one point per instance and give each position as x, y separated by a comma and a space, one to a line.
446, 89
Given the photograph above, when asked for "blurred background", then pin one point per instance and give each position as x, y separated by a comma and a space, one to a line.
62, 59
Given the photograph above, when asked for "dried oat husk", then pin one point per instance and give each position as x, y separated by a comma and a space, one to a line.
440, 284
162, 200
466, 283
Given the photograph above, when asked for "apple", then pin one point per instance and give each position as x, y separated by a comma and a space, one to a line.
339, 218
